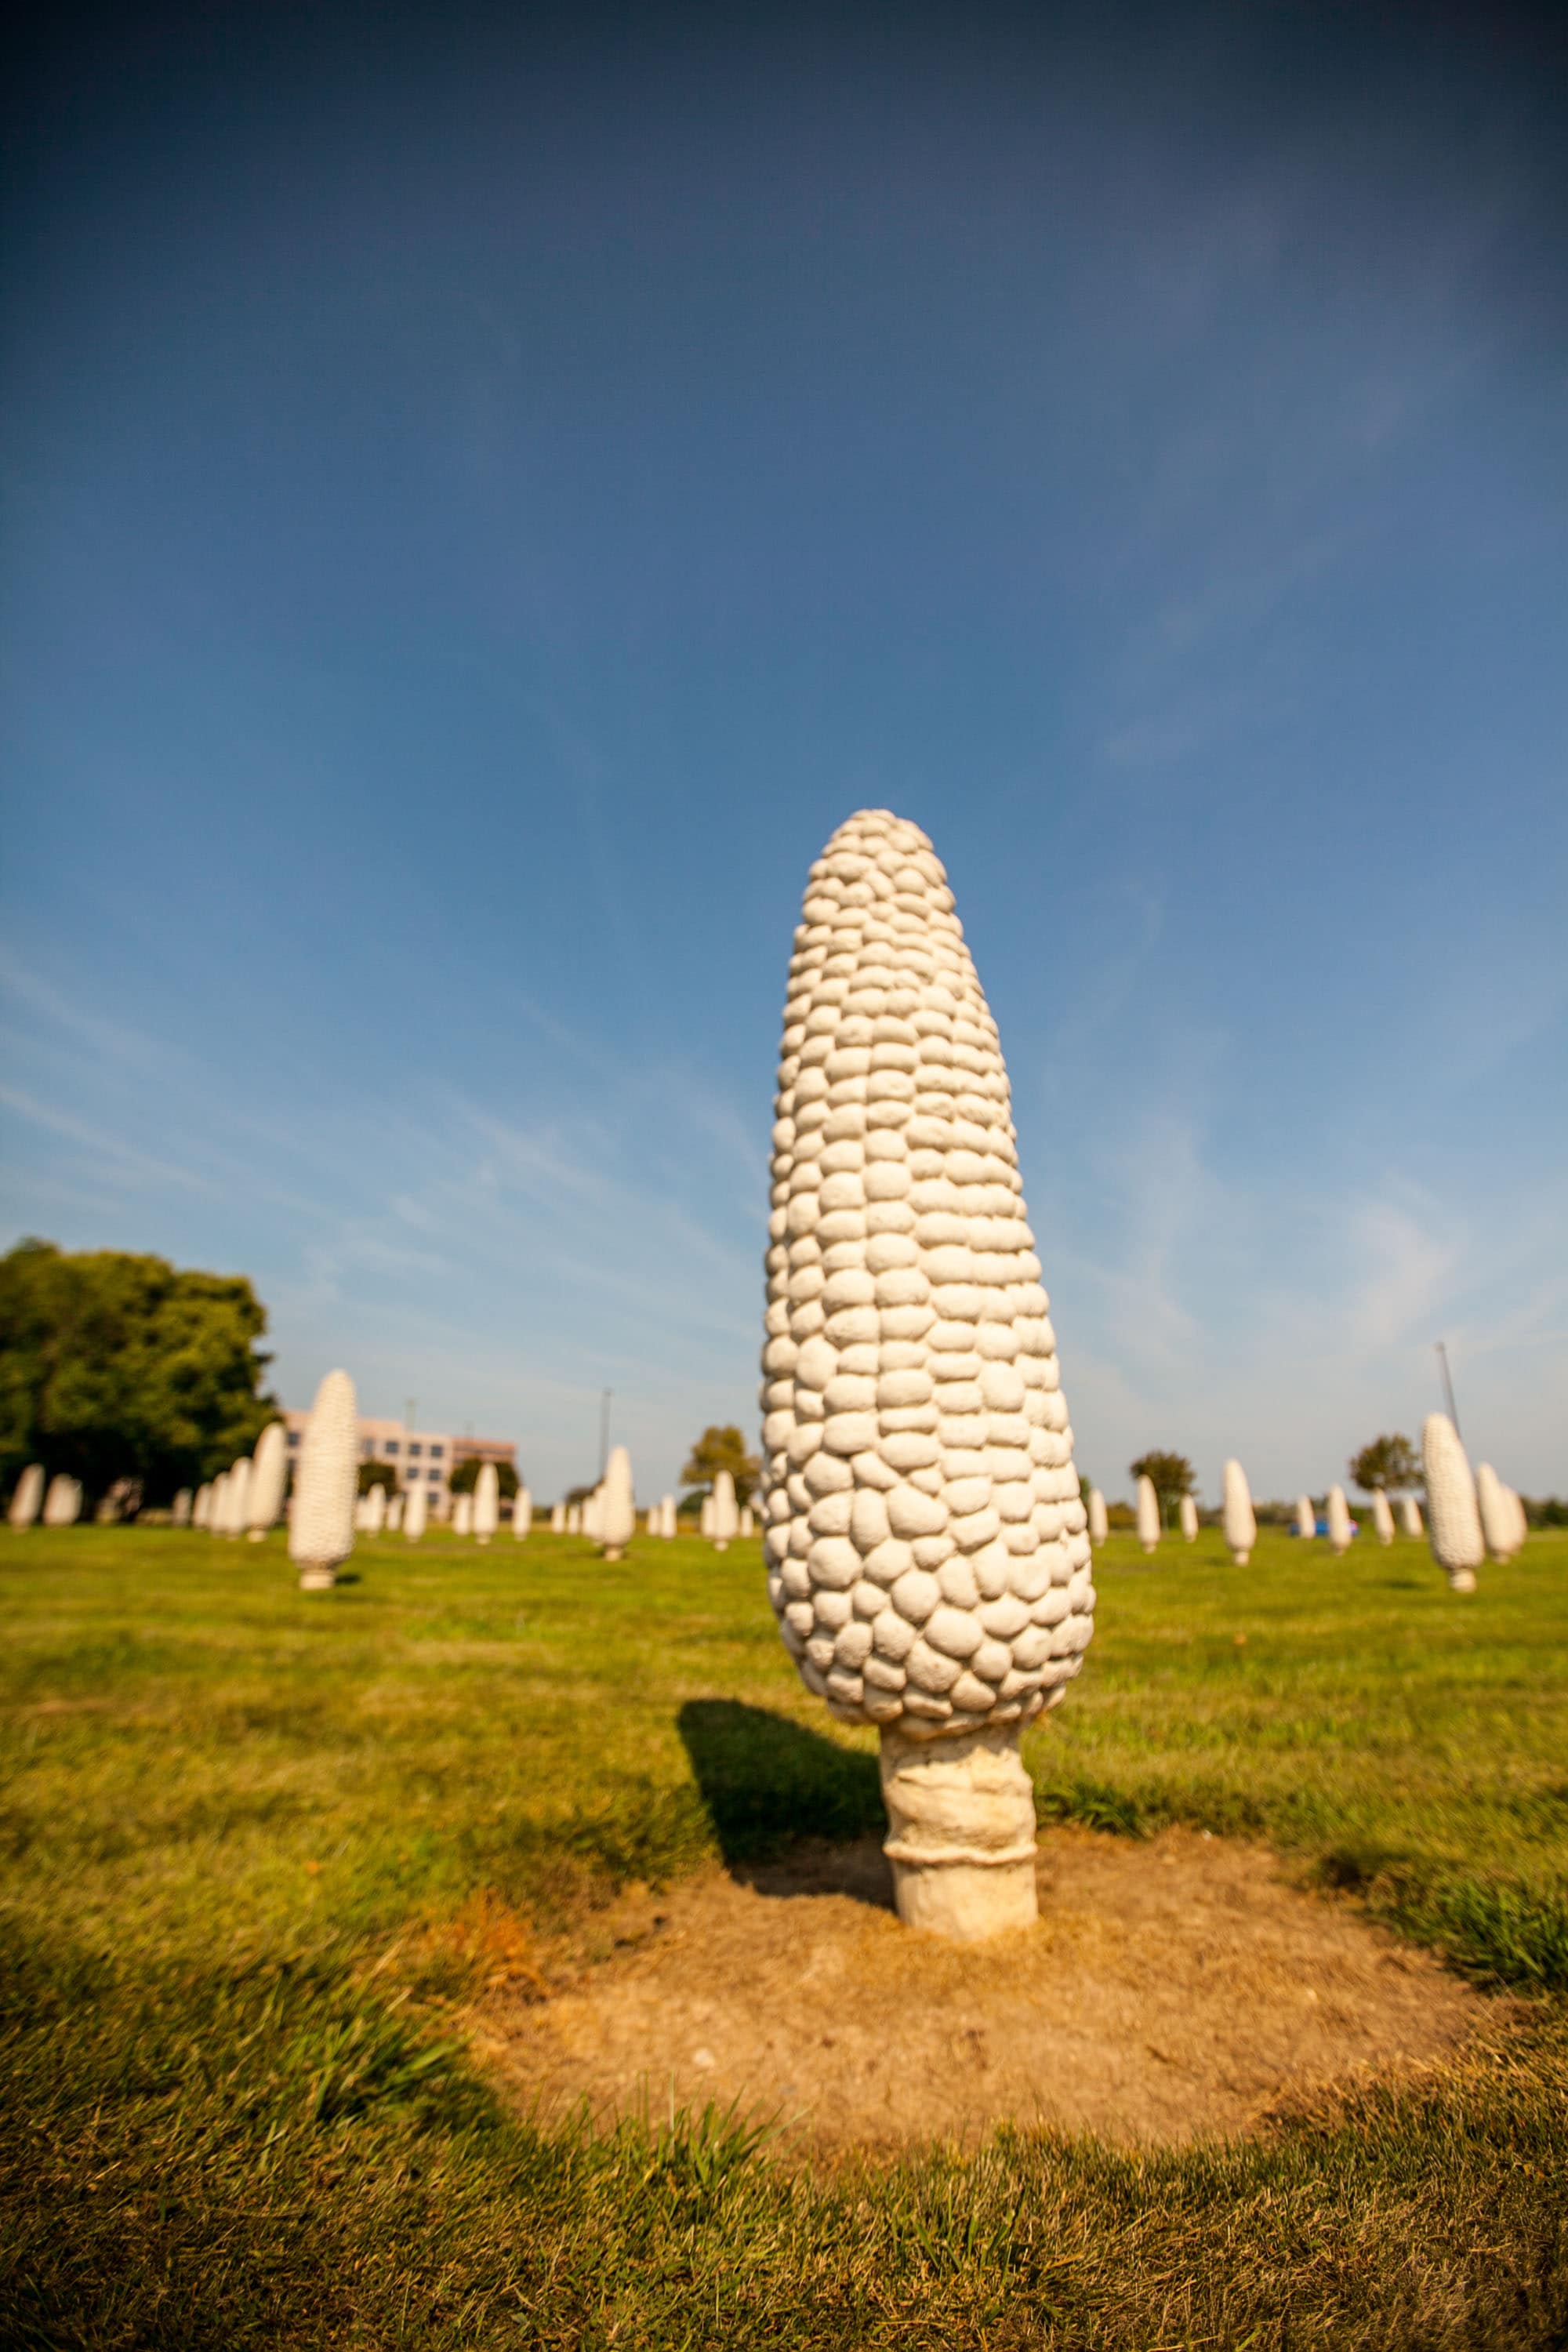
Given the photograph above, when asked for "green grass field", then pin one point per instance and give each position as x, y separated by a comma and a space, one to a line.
238, 1821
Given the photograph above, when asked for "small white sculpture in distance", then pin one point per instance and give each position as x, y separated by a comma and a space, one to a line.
667, 1517
27, 1500
268, 1476
521, 1513
1520, 1518
745, 1529
594, 1514
1240, 1519
1189, 1517
1381, 1515
1305, 1518
1148, 1514
487, 1502
1410, 1516
395, 1516
463, 1515
416, 1511
180, 1508
202, 1504
726, 1520
322, 1523
573, 1519
1494, 1501
1338, 1514
558, 1518
705, 1518
1453, 1514
617, 1505
237, 1497
219, 1504
1098, 1524
62, 1503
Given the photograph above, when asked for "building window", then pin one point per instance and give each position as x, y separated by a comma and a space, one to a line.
436, 1452
293, 1437
415, 1450
368, 1448
435, 1477
390, 1447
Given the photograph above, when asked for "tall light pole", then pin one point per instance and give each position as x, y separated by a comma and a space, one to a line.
1449, 1386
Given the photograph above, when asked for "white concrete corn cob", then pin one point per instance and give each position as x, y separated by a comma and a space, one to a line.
521, 1513
1453, 1514
745, 1531
926, 1544
1410, 1516
417, 1510
463, 1515
180, 1509
322, 1523
1189, 1517
1306, 1517
27, 1500
1148, 1514
1337, 1513
395, 1516
217, 1515
201, 1507
1098, 1524
1381, 1515
726, 1519
268, 1476
667, 1517
62, 1503
374, 1511
1495, 1502
1240, 1521
705, 1518
487, 1502
619, 1511
558, 1519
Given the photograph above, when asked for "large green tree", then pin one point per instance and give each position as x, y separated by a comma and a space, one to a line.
1170, 1475
113, 1366
722, 1449
1389, 1463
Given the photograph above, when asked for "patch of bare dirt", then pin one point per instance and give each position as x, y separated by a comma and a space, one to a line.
1170, 1990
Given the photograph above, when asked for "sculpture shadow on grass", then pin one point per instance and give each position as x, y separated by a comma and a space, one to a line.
792, 1811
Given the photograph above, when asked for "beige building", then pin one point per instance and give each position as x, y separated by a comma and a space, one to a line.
421, 1457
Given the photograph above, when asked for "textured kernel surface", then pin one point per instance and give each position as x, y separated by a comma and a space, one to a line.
928, 1558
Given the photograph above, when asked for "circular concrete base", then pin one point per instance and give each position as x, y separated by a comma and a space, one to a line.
317, 1579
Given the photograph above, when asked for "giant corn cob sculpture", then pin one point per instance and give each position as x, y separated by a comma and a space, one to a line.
1098, 1524
521, 1513
1306, 1517
1240, 1523
268, 1476
1336, 1510
217, 1513
926, 1545
1496, 1504
414, 1513
726, 1518
29, 1498
1410, 1516
617, 1512
375, 1510
201, 1508
321, 1523
62, 1504
463, 1515
1148, 1514
1381, 1515
1189, 1517
487, 1502
180, 1509
1453, 1515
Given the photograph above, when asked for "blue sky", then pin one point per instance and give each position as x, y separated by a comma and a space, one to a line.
484, 504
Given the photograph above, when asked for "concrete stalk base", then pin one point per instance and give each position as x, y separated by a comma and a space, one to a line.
961, 1832
1461, 1579
255, 1535
317, 1579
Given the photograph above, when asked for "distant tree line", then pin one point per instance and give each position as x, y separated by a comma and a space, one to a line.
119, 1368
